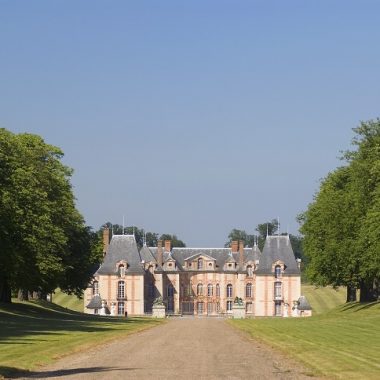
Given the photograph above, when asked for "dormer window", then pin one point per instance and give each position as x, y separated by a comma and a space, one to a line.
170, 265
121, 270
249, 271
277, 271
200, 263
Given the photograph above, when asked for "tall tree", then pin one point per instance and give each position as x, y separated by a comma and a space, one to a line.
175, 242
240, 235
151, 238
37, 209
340, 225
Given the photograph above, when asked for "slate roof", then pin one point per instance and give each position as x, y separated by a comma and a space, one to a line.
303, 304
221, 255
277, 248
95, 303
122, 248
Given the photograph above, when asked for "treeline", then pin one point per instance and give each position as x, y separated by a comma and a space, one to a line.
264, 229
150, 238
44, 242
341, 227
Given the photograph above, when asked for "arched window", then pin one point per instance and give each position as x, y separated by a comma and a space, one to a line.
210, 290
229, 290
200, 263
229, 305
277, 290
170, 290
121, 270
248, 290
120, 289
95, 288
277, 271
200, 290
249, 271
217, 290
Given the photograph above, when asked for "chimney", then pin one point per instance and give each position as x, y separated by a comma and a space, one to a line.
299, 263
106, 240
241, 254
159, 253
167, 245
234, 246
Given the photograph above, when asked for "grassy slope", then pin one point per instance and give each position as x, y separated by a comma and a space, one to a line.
71, 302
323, 299
343, 343
32, 334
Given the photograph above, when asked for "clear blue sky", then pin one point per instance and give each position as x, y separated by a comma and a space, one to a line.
191, 117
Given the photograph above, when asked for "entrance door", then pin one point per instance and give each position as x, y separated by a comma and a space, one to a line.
188, 308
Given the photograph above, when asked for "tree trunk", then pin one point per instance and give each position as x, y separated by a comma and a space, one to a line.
23, 295
367, 293
351, 293
5, 291
40, 295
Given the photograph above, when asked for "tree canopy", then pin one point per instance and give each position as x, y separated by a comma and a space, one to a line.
341, 226
44, 242
151, 238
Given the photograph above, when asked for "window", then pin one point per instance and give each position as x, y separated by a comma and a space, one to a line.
217, 290
170, 290
277, 290
210, 290
120, 308
229, 290
229, 305
277, 271
218, 307
210, 308
249, 271
95, 288
189, 290
277, 308
170, 305
200, 290
248, 290
151, 290
248, 307
121, 271
200, 307
200, 263
120, 289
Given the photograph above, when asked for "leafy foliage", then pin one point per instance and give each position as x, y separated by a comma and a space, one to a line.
151, 238
43, 240
341, 226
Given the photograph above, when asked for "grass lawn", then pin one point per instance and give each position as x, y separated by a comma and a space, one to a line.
71, 302
323, 299
343, 343
33, 334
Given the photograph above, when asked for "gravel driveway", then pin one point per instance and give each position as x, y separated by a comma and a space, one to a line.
190, 348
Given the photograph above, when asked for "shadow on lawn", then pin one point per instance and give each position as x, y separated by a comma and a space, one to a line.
27, 319
16, 373
358, 306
